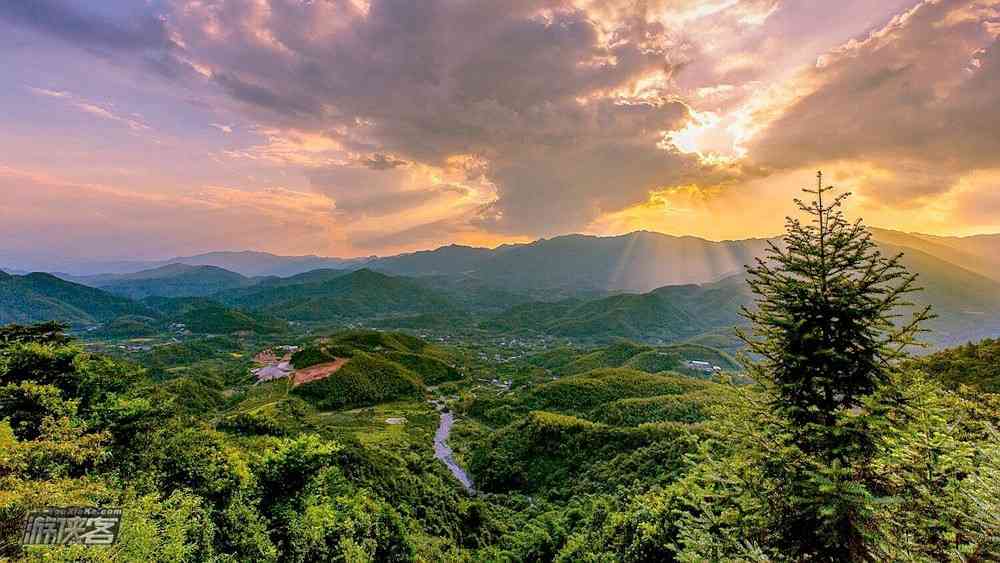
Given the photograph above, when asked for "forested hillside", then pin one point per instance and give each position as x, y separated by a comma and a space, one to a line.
363, 293
281, 442
173, 280
40, 297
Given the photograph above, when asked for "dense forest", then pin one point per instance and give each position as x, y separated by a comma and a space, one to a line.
831, 439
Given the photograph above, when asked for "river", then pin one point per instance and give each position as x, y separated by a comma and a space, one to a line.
444, 453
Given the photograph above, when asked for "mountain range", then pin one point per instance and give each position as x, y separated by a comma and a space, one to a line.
643, 285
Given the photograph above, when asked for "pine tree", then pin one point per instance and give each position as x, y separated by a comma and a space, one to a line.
828, 332
826, 322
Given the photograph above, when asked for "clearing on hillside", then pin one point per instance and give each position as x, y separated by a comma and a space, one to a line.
317, 372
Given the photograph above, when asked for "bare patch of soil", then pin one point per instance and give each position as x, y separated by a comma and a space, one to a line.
318, 371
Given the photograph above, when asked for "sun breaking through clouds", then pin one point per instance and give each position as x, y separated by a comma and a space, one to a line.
349, 127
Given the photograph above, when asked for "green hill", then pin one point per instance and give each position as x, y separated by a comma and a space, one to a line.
203, 315
626, 354
217, 319
173, 280
365, 380
431, 364
363, 293
666, 314
546, 450
41, 297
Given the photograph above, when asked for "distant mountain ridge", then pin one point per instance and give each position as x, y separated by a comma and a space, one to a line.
635, 262
248, 263
172, 280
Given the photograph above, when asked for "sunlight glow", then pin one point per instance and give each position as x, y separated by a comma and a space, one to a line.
715, 138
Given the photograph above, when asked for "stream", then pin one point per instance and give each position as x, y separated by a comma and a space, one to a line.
444, 453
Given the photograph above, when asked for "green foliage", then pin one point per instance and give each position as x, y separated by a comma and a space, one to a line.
130, 326
365, 380
581, 393
195, 394
42, 297
252, 424
974, 364
431, 371
216, 319
49, 332
47, 364
690, 407
824, 319
363, 293
547, 450
311, 356
375, 341
654, 361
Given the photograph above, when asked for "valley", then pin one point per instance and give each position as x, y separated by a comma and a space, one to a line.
458, 417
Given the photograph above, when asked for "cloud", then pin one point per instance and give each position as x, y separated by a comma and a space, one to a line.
917, 100
563, 105
532, 88
133, 121
111, 222
413, 120
75, 23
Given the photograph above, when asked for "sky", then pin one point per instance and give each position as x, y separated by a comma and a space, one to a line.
142, 129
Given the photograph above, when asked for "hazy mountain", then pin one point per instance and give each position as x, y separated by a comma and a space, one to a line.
635, 262
362, 293
967, 305
172, 280
312, 276
40, 297
251, 263
638, 261
669, 313
248, 263
979, 254
451, 259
